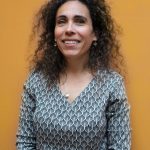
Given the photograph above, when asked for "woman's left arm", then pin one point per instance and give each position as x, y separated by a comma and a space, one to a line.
118, 118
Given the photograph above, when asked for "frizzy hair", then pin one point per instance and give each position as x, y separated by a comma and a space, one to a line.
105, 55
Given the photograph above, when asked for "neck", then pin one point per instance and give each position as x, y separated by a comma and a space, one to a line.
76, 66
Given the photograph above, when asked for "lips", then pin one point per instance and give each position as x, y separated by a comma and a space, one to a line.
71, 41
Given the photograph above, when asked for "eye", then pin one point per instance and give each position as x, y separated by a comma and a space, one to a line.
60, 22
80, 20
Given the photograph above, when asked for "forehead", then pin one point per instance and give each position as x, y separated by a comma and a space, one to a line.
73, 8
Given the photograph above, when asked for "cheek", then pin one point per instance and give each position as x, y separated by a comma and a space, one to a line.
57, 32
86, 33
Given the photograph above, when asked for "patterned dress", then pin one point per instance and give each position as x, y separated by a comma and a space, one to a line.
98, 119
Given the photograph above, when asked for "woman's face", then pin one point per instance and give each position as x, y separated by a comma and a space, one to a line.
73, 30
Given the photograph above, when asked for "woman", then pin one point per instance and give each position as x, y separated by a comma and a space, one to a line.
73, 98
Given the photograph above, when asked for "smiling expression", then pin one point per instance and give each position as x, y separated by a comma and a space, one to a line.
73, 30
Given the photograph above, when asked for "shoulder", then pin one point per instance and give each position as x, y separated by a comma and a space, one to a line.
109, 76
34, 79
111, 80
116, 85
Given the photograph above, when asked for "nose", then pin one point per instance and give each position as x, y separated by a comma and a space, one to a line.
70, 30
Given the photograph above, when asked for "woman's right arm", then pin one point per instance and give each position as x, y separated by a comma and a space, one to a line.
26, 139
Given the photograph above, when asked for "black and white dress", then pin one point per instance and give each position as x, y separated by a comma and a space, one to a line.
98, 119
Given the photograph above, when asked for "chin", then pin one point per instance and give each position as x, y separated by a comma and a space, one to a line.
70, 53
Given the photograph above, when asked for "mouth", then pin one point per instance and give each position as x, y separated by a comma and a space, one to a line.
71, 42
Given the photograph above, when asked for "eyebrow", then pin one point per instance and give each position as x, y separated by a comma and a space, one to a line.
61, 16
76, 17
80, 17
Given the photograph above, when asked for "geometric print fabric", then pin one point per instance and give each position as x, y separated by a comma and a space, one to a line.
98, 119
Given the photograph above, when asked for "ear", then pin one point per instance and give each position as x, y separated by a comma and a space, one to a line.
95, 36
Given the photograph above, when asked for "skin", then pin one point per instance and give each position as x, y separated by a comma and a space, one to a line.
74, 35
73, 31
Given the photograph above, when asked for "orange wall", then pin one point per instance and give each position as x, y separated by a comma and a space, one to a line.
15, 25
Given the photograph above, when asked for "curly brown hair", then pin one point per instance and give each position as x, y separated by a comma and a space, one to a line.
106, 54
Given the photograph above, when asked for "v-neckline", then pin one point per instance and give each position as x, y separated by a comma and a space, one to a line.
75, 100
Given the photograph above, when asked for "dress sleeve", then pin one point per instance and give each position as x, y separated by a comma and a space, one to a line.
118, 118
26, 134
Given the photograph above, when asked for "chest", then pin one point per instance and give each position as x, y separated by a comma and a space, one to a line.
58, 121
88, 109
74, 86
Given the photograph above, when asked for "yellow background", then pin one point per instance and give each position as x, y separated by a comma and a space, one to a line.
15, 26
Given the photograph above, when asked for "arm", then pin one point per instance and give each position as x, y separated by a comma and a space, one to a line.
26, 136
118, 129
